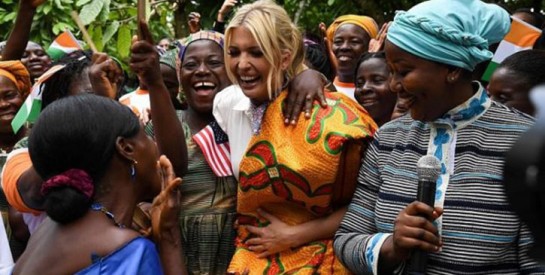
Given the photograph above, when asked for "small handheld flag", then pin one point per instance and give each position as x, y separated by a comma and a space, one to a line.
64, 44
32, 106
522, 36
215, 148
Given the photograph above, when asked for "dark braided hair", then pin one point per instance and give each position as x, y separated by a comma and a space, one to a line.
57, 86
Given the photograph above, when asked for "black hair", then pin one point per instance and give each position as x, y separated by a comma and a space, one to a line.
528, 65
537, 18
317, 56
77, 132
57, 86
366, 56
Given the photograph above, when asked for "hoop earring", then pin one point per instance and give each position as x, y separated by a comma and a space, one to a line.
133, 169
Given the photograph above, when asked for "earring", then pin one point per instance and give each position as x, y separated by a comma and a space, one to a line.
133, 170
450, 79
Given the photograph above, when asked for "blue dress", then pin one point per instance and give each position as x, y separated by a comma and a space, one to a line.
139, 256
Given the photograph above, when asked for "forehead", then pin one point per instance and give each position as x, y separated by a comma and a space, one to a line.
350, 30
203, 47
32, 46
242, 36
372, 63
6, 84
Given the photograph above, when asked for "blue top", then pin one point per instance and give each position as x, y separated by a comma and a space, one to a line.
139, 256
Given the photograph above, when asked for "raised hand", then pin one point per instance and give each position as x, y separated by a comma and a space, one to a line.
104, 75
144, 60
377, 44
32, 3
225, 9
194, 22
166, 206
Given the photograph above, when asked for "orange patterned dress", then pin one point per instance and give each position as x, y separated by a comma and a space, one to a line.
290, 173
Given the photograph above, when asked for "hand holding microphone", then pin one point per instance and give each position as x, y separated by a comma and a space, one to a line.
415, 235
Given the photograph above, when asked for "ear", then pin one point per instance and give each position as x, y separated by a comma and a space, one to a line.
286, 60
125, 148
454, 74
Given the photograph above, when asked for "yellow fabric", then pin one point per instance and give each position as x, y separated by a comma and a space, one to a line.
18, 74
365, 22
290, 171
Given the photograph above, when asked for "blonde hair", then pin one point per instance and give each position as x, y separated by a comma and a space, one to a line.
275, 33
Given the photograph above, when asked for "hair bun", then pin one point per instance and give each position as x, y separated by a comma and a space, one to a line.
75, 178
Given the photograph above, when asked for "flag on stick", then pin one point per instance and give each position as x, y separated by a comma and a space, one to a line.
522, 36
64, 44
215, 148
32, 106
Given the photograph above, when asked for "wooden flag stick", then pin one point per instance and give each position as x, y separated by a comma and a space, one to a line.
83, 30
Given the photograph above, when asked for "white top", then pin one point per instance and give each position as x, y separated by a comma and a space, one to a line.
232, 112
6, 260
139, 102
345, 88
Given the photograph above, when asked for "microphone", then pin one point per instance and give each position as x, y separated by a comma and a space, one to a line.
428, 169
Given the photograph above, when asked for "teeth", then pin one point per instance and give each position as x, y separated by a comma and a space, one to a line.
248, 78
204, 84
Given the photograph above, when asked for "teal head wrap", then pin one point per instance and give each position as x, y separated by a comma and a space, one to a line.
452, 32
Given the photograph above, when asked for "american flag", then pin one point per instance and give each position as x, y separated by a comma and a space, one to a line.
215, 147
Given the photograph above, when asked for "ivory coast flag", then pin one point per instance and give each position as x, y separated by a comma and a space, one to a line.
522, 36
32, 106
64, 44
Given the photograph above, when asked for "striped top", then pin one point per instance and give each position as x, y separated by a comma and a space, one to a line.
481, 234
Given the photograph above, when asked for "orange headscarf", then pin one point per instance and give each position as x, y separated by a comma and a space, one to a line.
18, 74
367, 23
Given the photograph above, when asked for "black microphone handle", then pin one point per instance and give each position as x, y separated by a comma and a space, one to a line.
419, 258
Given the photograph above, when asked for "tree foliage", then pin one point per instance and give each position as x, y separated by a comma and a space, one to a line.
112, 23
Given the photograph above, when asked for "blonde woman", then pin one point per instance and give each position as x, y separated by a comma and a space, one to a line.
287, 202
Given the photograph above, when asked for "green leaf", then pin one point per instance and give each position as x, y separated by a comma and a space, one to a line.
80, 3
10, 16
110, 31
96, 36
59, 4
124, 41
60, 27
90, 11
105, 13
330, 2
47, 9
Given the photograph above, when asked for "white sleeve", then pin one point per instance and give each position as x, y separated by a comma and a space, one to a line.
6, 260
223, 102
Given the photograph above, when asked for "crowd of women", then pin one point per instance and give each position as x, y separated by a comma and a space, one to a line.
209, 168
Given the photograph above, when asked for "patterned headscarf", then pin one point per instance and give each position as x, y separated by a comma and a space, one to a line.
18, 74
201, 35
169, 58
367, 23
452, 32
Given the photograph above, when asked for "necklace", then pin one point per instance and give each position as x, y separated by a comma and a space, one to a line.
97, 206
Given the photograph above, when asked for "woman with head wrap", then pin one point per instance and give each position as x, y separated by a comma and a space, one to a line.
208, 206
349, 36
14, 88
432, 49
